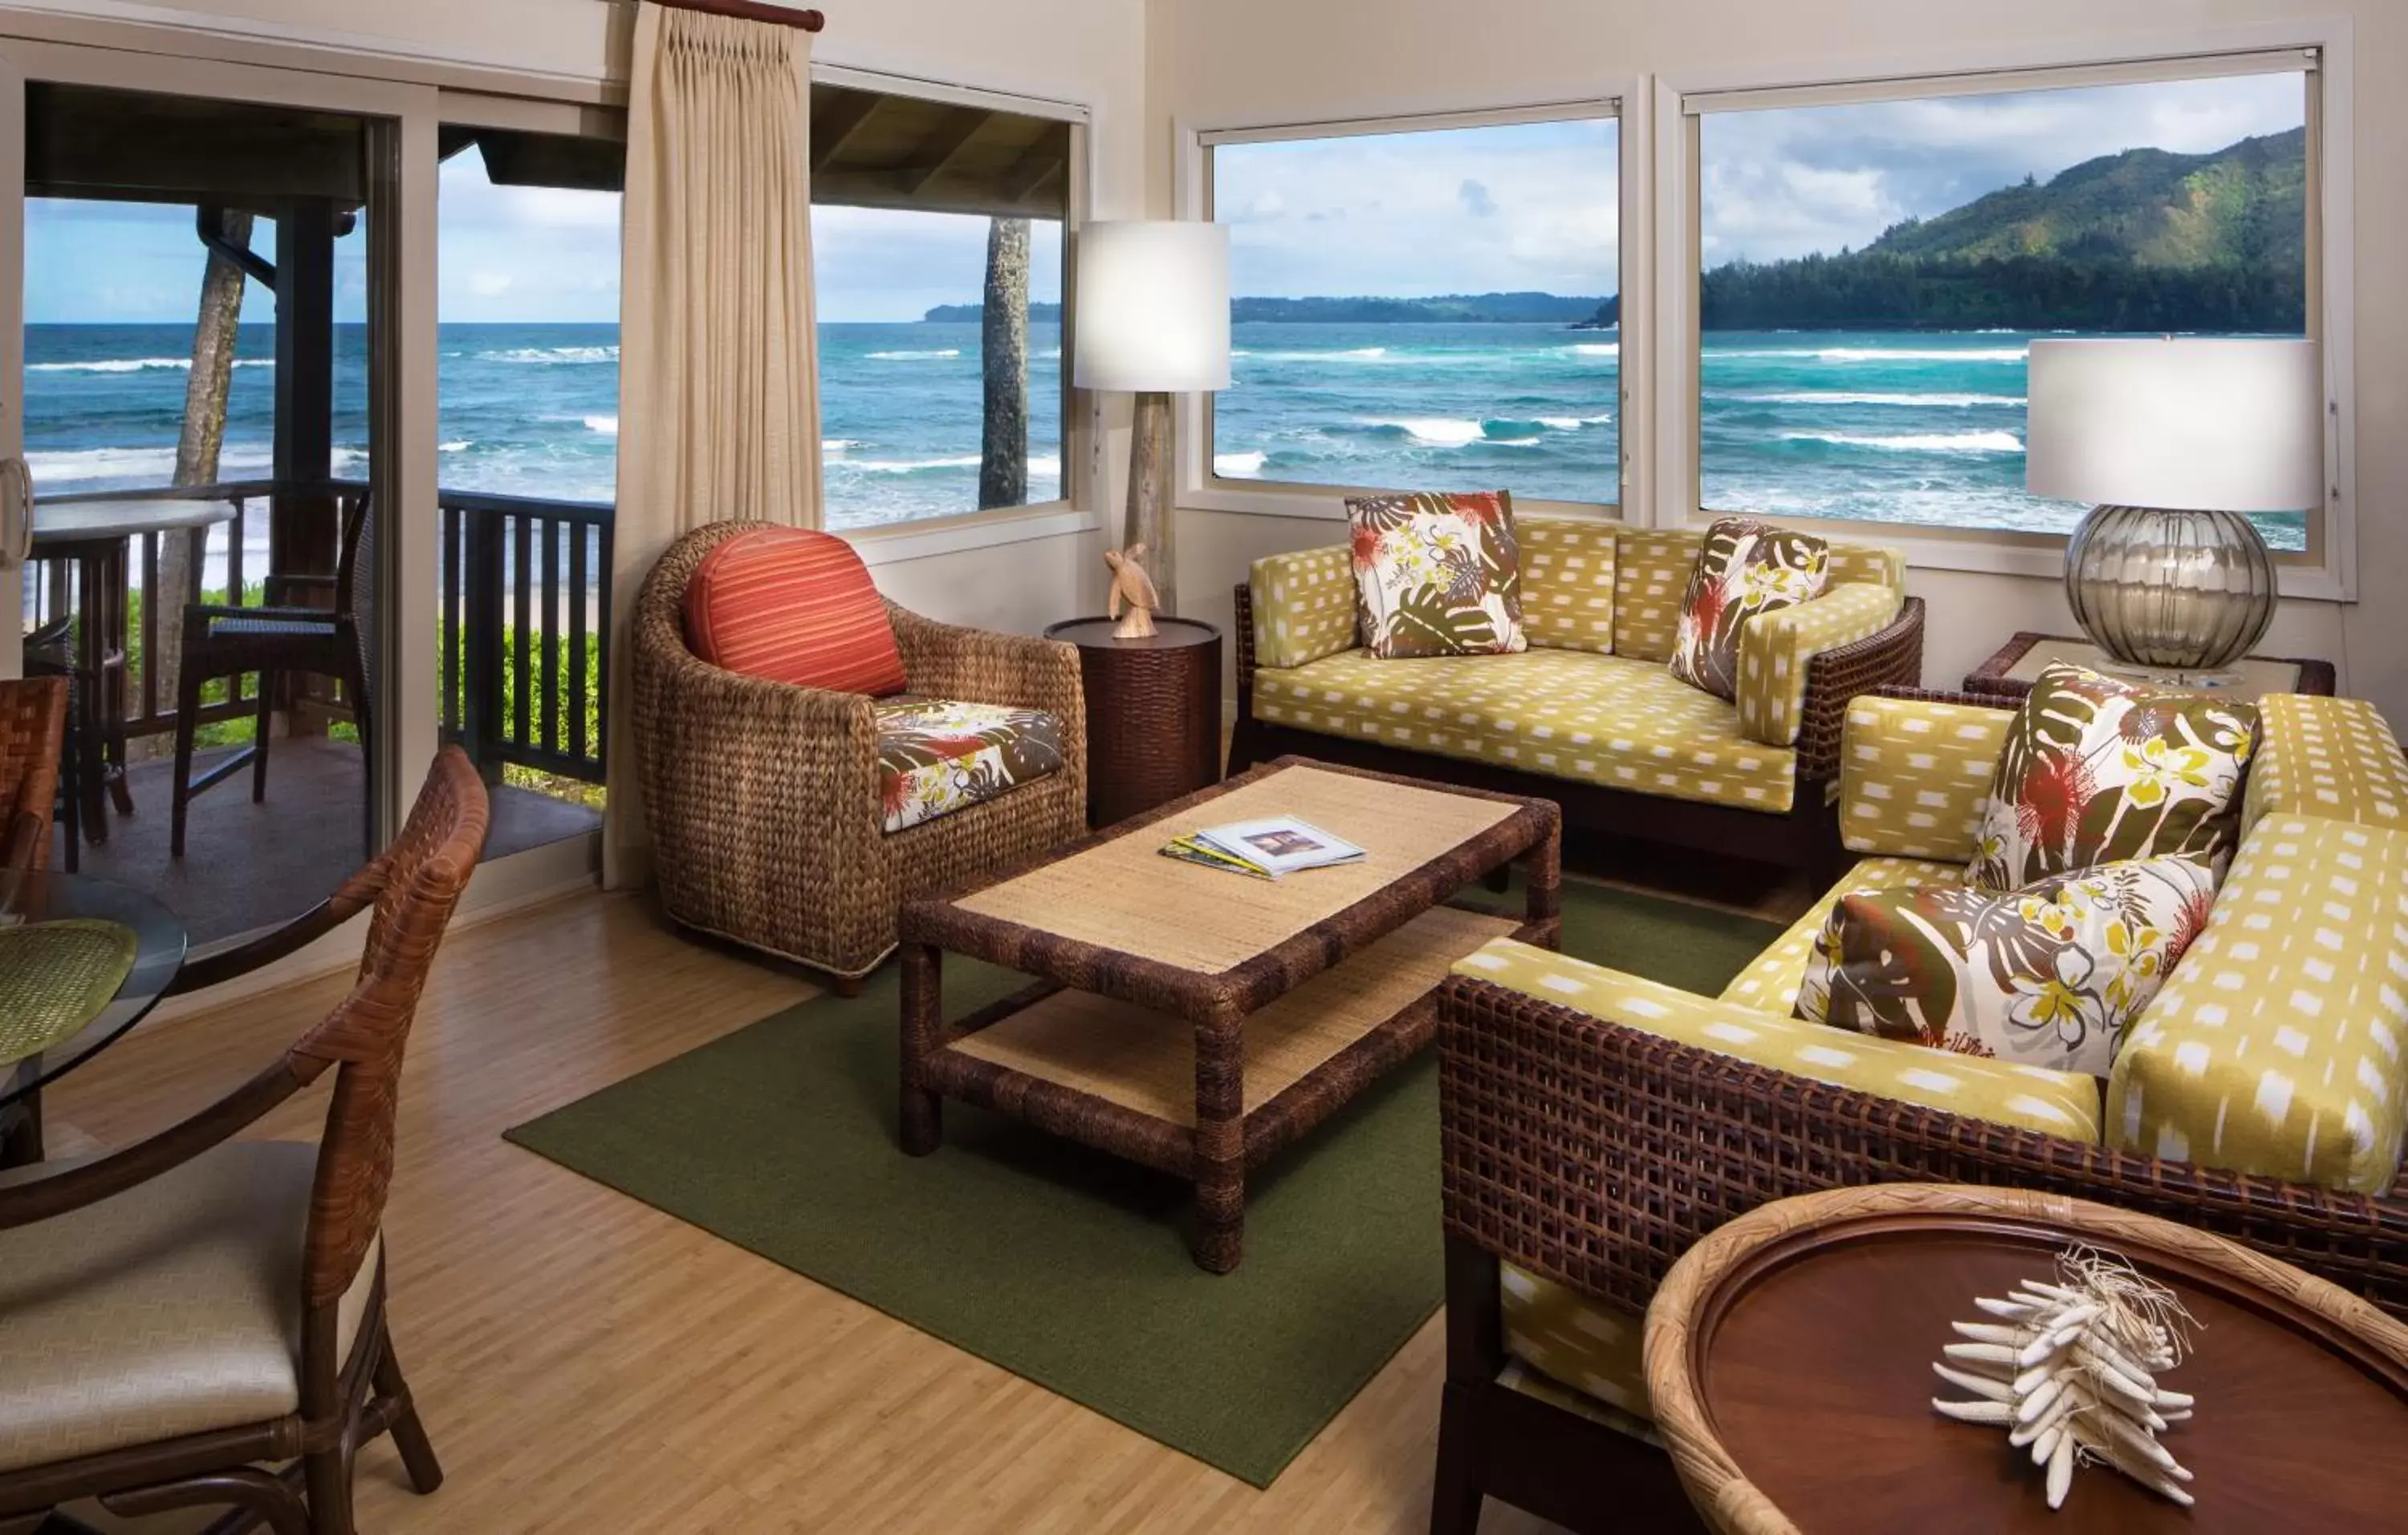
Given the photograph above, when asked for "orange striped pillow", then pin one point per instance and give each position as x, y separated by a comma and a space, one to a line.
792, 605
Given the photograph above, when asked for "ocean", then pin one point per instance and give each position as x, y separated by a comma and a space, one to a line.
1905, 428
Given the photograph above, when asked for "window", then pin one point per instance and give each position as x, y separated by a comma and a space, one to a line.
1872, 272
936, 241
1423, 308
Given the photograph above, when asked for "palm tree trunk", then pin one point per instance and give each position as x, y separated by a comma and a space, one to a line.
181, 559
1003, 347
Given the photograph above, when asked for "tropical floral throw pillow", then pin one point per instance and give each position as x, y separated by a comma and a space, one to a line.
1437, 574
2095, 770
2050, 975
1745, 568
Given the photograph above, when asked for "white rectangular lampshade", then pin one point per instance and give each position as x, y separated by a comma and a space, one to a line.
1152, 306
2181, 423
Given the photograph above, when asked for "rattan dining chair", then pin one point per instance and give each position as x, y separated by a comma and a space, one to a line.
177, 1317
228, 641
33, 732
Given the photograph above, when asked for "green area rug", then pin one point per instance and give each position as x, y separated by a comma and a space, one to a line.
1063, 1265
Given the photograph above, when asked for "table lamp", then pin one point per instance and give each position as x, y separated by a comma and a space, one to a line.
2173, 440
1153, 317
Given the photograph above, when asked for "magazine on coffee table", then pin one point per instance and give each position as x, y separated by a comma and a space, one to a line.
1280, 845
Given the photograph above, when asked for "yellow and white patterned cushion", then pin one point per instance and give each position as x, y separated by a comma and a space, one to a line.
2332, 757
1775, 647
1571, 714
1650, 573
2064, 1103
1568, 582
1304, 606
1587, 1346
1867, 564
1770, 982
2277, 1046
1915, 775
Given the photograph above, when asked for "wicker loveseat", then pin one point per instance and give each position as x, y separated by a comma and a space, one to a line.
1590, 715
1595, 1125
765, 800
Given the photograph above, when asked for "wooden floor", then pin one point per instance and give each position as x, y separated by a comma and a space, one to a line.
587, 1364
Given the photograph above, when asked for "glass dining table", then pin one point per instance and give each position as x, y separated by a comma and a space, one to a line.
82, 960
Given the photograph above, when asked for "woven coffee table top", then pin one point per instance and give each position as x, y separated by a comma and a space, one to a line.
1123, 896
55, 977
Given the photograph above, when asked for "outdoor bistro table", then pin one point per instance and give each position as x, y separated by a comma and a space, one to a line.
94, 536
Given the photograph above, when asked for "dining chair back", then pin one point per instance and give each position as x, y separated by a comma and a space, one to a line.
33, 734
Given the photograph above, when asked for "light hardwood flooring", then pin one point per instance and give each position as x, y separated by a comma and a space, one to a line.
586, 1364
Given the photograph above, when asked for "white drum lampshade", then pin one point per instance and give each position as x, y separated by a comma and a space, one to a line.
2172, 439
1152, 306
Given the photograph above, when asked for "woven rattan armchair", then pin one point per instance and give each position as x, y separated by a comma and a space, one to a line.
762, 798
33, 732
180, 1317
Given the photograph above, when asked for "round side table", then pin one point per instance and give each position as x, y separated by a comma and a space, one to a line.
1154, 712
1790, 1364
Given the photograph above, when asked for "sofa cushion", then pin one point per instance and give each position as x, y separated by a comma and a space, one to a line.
1568, 582
1915, 775
1771, 981
1586, 1345
2093, 770
1777, 647
1597, 718
936, 756
792, 605
2032, 1097
2333, 757
1437, 573
2277, 1048
1650, 573
1744, 569
2049, 975
1304, 606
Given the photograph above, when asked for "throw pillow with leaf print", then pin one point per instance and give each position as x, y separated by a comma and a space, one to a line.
1745, 568
1437, 574
2094, 771
2053, 975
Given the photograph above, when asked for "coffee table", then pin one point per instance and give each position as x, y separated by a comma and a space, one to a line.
1789, 1366
1198, 1021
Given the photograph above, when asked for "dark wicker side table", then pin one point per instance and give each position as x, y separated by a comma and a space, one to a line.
1154, 712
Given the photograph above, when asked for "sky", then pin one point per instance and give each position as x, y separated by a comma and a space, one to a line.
1506, 208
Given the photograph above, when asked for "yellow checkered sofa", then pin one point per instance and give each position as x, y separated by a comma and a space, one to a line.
1590, 715
1596, 1123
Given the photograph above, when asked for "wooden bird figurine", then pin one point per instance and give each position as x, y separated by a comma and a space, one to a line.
1131, 583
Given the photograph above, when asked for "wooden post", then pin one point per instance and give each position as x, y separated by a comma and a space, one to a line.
305, 535
1150, 508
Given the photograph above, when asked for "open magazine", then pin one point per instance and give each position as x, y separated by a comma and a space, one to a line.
1267, 849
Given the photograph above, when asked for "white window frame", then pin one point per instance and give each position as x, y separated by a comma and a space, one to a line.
1074, 510
2330, 571
1199, 487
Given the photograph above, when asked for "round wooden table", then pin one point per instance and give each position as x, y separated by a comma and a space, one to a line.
1154, 712
1789, 1362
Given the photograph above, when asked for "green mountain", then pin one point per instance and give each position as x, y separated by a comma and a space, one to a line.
2137, 241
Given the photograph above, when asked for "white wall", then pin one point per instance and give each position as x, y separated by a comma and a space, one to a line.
1231, 60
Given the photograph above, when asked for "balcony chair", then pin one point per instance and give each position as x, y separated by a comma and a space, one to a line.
771, 804
179, 1315
226, 641
33, 735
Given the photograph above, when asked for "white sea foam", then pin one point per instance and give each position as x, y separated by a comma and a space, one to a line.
914, 356
554, 354
136, 365
1843, 397
452, 447
1919, 442
1595, 349
1239, 466
1433, 431
1573, 424
912, 465
1351, 354
607, 425
64, 468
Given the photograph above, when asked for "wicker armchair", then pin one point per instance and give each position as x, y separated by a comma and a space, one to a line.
33, 732
762, 798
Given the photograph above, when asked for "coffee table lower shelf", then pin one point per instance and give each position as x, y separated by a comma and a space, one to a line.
1129, 1081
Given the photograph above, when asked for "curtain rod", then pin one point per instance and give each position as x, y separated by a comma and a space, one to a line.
753, 11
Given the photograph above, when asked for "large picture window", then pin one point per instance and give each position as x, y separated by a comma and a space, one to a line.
1423, 308
1871, 274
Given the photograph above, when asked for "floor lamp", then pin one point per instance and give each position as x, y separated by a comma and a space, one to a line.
1153, 319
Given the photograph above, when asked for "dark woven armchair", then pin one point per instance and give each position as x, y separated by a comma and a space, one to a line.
762, 799
32, 732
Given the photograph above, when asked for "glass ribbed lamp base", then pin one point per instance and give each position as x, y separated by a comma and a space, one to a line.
2171, 590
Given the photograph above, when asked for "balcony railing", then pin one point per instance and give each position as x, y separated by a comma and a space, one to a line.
523, 603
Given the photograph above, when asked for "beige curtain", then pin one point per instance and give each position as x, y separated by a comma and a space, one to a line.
719, 355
